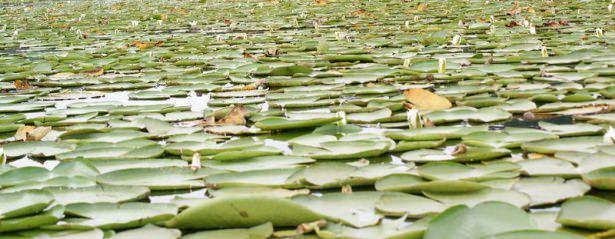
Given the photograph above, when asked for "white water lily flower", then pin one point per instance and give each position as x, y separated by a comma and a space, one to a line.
525, 23
532, 30
543, 51
599, 32
15, 33
456, 40
415, 120
134, 23
416, 18
192, 23
342, 115
441, 65
159, 22
460, 23
610, 7
609, 136
407, 24
491, 19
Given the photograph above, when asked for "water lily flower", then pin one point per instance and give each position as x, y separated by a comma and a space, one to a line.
441, 65
610, 7
407, 24
543, 51
532, 30
134, 23
456, 40
492, 29
415, 120
159, 22
342, 115
192, 23
599, 32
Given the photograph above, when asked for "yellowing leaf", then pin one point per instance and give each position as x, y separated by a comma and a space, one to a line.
254, 85
426, 100
321, 2
31, 133
421, 7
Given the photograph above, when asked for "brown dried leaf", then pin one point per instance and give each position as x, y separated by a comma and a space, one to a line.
311, 226
237, 116
460, 149
208, 121
346, 188
425, 100
145, 45
421, 7
513, 24
22, 85
254, 85
95, 72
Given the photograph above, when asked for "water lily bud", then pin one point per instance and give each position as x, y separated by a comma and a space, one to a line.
492, 29
316, 26
196, 161
491, 19
81, 17
532, 30
342, 115
441, 65
599, 32
543, 51
416, 18
456, 40
610, 7
460, 23
407, 24
609, 136
407, 62
15, 33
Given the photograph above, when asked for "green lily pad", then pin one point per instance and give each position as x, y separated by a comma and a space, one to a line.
587, 212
